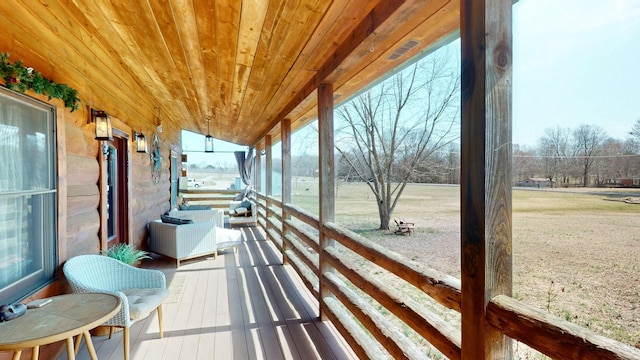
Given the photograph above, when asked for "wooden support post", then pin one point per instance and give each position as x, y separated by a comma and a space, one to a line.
258, 170
327, 181
268, 169
485, 184
61, 144
285, 136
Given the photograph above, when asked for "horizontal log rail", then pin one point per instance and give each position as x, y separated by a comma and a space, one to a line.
308, 276
361, 343
274, 224
311, 260
541, 331
441, 287
305, 236
435, 330
217, 192
260, 202
303, 215
551, 335
274, 236
394, 342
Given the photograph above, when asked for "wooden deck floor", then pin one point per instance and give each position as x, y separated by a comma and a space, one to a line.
239, 306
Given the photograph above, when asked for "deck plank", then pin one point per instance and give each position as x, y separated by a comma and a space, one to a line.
243, 305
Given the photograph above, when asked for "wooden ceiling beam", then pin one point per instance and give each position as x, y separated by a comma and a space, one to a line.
274, 57
227, 36
186, 20
439, 19
207, 35
365, 28
252, 21
335, 25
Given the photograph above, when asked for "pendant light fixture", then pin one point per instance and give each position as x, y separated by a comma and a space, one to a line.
208, 140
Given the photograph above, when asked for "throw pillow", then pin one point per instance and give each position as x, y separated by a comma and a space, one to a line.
174, 220
239, 197
194, 207
245, 203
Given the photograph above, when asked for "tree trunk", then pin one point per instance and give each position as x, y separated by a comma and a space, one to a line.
585, 177
385, 215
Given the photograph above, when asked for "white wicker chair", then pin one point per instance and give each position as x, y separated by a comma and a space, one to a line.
140, 290
182, 242
188, 241
199, 216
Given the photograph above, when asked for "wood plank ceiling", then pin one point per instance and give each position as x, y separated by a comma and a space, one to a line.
246, 64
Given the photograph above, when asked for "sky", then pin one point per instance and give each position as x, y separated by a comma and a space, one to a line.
575, 62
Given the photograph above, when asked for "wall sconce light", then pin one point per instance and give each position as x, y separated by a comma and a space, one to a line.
141, 142
208, 140
103, 125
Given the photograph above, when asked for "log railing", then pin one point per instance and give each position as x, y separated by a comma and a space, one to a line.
355, 289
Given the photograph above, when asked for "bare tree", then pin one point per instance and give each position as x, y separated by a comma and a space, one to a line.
390, 130
588, 140
620, 161
556, 154
524, 163
635, 131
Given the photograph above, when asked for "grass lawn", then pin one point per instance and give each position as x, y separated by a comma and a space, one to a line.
575, 254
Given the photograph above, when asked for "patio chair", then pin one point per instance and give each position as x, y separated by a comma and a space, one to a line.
242, 212
140, 290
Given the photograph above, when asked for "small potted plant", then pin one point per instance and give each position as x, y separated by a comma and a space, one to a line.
127, 253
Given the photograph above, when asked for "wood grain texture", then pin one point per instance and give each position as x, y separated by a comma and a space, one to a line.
388, 335
551, 335
326, 179
309, 239
443, 288
436, 331
485, 172
247, 64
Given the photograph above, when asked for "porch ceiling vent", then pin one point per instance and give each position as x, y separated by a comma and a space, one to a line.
403, 49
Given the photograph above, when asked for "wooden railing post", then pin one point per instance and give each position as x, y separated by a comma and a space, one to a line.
258, 170
485, 183
268, 191
327, 180
285, 136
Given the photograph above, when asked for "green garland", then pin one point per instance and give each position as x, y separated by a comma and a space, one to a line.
19, 78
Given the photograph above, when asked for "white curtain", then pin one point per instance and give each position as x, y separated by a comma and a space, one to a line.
13, 253
245, 168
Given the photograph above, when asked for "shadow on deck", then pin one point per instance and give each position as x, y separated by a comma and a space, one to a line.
243, 305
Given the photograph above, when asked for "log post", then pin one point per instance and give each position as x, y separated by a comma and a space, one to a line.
63, 192
327, 180
485, 184
268, 169
258, 170
285, 135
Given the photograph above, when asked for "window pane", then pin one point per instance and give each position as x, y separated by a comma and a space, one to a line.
26, 248
24, 135
28, 237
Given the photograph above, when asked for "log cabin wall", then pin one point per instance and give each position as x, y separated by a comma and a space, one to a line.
79, 193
